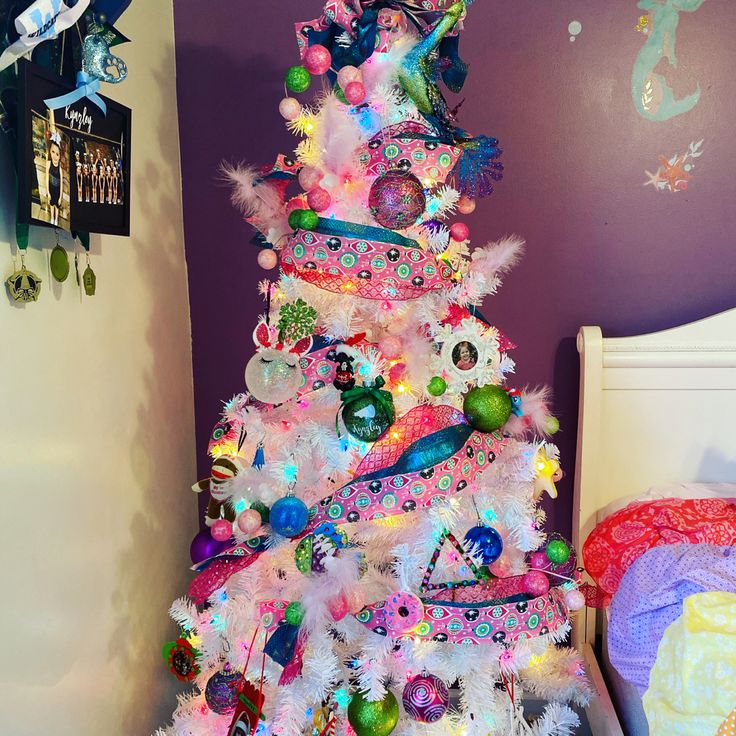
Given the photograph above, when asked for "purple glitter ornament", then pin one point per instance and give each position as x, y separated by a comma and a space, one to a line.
425, 698
204, 546
221, 692
396, 199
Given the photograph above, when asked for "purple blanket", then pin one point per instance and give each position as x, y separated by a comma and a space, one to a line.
650, 598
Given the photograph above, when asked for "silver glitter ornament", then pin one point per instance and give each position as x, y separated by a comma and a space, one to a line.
97, 60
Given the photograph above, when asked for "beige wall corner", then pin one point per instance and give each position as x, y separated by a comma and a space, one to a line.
97, 442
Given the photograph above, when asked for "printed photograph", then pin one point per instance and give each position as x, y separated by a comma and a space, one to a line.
98, 172
464, 356
50, 183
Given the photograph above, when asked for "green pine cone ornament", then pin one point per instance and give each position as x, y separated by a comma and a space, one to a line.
373, 719
487, 408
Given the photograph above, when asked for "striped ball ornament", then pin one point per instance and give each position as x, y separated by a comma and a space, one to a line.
425, 698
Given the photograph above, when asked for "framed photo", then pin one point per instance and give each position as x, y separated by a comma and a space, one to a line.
73, 162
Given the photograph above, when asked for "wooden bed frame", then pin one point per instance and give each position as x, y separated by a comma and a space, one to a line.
654, 409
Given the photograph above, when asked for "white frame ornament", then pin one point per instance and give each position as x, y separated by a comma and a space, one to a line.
485, 341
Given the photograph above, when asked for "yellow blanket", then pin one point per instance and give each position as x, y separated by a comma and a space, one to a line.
692, 687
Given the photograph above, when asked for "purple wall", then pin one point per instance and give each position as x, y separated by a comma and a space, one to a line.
602, 248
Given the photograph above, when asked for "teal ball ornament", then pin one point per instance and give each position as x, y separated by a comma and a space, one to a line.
557, 551
298, 79
373, 719
289, 516
437, 386
487, 408
308, 219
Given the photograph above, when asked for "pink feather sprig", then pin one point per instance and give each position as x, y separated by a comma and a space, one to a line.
536, 417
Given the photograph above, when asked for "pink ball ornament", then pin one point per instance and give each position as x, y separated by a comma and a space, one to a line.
356, 600
249, 521
574, 600
536, 583
289, 108
296, 203
390, 346
355, 92
465, 205
309, 177
317, 59
501, 568
539, 561
221, 530
319, 199
459, 232
396, 372
338, 607
348, 74
267, 258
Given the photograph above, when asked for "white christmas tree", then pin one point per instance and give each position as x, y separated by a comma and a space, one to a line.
381, 565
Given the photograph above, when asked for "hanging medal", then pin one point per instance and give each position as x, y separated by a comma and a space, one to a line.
23, 285
59, 261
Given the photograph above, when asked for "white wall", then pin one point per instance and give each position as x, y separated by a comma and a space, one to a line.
97, 443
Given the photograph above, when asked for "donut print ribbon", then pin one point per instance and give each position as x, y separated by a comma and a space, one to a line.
478, 623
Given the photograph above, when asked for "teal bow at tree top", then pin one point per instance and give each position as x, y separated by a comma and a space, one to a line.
87, 86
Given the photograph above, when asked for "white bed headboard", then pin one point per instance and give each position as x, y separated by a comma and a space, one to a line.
654, 409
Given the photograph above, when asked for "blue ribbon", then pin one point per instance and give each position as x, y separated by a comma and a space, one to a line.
424, 453
87, 86
328, 226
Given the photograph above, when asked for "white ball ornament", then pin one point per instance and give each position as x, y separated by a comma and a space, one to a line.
249, 521
273, 376
267, 258
290, 108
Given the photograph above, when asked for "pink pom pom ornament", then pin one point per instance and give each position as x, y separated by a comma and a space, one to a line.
317, 59
221, 530
355, 92
319, 199
348, 74
459, 232
309, 178
249, 521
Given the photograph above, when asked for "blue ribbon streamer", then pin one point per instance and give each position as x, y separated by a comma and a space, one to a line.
87, 86
328, 226
424, 453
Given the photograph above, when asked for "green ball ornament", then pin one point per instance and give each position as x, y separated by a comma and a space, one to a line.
365, 418
557, 552
298, 79
294, 613
437, 386
294, 219
373, 719
552, 425
337, 89
487, 408
308, 219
